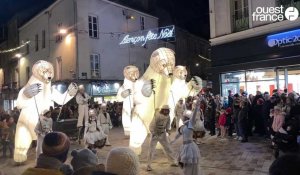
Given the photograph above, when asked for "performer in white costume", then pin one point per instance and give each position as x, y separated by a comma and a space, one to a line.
147, 99
35, 97
181, 89
105, 121
43, 127
159, 128
189, 154
82, 99
93, 130
131, 74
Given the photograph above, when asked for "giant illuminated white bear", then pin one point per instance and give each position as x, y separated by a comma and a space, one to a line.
35, 97
181, 89
162, 63
131, 75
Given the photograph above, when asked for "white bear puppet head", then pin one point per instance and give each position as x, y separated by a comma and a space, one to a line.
163, 61
180, 72
131, 73
43, 71
197, 83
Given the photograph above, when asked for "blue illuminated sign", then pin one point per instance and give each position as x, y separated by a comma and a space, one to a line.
284, 39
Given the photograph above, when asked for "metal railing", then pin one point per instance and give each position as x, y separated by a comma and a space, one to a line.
241, 23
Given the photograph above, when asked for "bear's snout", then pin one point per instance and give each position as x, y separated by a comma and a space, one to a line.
49, 78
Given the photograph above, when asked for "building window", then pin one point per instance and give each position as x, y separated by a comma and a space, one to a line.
142, 22
27, 73
93, 26
36, 42
95, 65
43, 39
58, 37
27, 48
58, 68
240, 18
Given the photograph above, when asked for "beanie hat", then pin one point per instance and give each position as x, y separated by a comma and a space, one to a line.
56, 144
129, 162
83, 158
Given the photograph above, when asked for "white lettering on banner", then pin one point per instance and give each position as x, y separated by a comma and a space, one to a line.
274, 14
162, 33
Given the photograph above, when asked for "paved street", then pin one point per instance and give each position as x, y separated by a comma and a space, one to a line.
218, 157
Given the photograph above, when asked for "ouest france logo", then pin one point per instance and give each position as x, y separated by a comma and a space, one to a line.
275, 14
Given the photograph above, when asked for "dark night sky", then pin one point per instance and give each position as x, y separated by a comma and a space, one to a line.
192, 15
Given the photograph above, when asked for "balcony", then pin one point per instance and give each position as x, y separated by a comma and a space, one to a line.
240, 23
289, 3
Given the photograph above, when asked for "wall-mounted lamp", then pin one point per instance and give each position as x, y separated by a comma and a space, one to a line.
63, 31
18, 55
130, 17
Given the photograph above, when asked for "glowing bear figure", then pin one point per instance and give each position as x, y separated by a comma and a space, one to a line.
181, 89
147, 99
35, 97
131, 74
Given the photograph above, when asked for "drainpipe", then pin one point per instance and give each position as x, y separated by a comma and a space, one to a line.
76, 40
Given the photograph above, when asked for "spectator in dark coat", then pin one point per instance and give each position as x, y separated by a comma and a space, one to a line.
211, 108
242, 120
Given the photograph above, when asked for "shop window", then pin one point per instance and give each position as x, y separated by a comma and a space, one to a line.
293, 79
233, 77
93, 26
261, 75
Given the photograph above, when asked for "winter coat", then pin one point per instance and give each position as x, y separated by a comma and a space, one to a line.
222, 119
243, 115
49, 165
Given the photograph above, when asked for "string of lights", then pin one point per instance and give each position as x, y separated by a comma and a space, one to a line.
14, 49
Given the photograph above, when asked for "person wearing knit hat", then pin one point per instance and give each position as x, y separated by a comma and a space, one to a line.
85, 161
122, 161
55, 151
159, 127
43, 127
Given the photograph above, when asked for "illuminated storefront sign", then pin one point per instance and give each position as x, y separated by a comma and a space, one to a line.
141, 38
285, 39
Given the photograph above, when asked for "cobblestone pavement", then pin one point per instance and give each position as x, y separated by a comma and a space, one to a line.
217, 157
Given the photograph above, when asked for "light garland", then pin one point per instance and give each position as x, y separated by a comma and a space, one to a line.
16, 48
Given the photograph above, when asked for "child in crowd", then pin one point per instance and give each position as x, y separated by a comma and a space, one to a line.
43, 127
222, 123
8, 135
93, 130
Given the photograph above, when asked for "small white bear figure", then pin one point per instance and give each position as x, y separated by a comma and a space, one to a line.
131, 74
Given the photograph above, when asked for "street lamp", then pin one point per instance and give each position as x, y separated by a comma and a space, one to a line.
63, 31
18, 55
197, 64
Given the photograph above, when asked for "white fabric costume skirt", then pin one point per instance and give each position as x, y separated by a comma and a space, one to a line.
189, 153
190, 157
92, 137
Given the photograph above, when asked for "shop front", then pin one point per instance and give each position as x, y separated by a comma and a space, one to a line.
262, 63
100, 90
